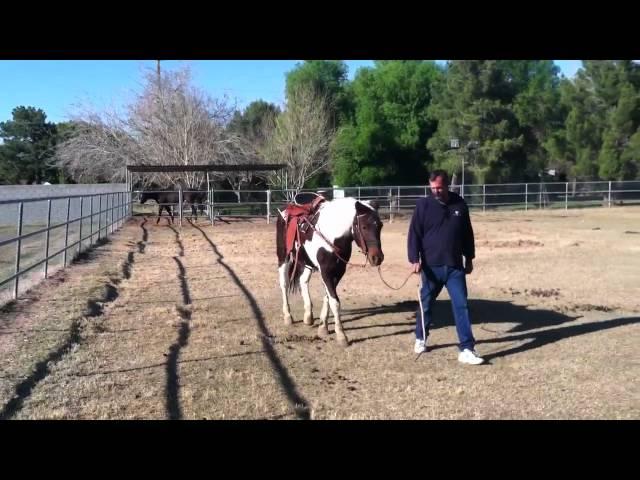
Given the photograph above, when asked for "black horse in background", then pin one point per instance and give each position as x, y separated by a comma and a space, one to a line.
195, 199
166, 200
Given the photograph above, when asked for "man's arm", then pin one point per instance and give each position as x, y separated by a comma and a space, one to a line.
468, 243
414, 238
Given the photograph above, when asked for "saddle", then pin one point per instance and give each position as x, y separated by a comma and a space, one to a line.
298, 218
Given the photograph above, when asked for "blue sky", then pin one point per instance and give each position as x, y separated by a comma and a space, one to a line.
56, 86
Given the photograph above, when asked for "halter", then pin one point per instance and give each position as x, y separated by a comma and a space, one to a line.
359, 238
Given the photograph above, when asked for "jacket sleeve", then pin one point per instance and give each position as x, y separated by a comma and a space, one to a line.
468, 241
414, 237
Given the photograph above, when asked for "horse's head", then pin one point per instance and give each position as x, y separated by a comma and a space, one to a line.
366, 231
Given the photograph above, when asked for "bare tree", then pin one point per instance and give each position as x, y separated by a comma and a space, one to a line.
99, 150
169, 123
300, 137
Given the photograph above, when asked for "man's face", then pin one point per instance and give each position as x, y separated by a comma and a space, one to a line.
439, 189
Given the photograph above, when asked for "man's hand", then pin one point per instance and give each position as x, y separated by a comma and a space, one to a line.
468, 266
415, 267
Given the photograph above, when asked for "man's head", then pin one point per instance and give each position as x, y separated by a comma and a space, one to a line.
439, 184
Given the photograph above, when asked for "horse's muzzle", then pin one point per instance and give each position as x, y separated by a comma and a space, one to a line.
375, 256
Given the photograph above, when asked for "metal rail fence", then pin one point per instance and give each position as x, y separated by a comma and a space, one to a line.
88, 218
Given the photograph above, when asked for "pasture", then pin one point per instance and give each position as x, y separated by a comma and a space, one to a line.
163, 323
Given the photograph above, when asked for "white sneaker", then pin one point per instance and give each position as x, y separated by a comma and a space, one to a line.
420, 346
470, 357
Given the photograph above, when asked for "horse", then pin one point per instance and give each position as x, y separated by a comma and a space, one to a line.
195, 198
326, 235
164, 199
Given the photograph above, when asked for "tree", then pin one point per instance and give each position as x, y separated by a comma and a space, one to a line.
300, 137
385, 139
617, 159
326, 77
170, 122
602, 120
540, 115
28, 145
474, 104
251, 126
250, 122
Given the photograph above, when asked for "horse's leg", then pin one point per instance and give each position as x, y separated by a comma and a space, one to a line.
332, 272
159, 214
304, 289
330, 284
323, 329
283, 269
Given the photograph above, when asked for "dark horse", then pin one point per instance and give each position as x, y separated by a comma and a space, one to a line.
167, 199
334, 226
164, 199
195, 199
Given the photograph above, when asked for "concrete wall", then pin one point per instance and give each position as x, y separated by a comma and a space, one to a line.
35, 213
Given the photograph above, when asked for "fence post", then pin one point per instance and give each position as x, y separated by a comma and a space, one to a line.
566, 196
268, 206
540, 194
609, 193
99, 216
46, 248
484, 197
16, 280
91, 224
107, 224
117, 211
66, 234
211, 199
398, 201
526, 197
180, 203
111, 212
80, 236
358, 193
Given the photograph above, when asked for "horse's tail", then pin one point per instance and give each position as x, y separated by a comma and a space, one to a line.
296, 267
295, 259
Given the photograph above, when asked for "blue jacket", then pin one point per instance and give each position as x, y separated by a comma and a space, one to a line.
441, 234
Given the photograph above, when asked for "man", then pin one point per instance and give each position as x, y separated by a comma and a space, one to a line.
440, 234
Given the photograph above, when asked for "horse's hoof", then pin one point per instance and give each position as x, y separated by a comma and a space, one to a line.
288, 320
308, 320
343, 341
323, 331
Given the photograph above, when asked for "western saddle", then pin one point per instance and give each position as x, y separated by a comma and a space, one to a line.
298, 219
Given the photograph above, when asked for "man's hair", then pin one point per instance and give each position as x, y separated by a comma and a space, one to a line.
439, 173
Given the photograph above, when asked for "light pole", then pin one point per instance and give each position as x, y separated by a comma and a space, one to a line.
472, 145
455, 145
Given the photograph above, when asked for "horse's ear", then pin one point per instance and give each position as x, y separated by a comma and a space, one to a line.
362, 207
374, 204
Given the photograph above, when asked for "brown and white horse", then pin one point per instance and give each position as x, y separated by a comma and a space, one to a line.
335, 225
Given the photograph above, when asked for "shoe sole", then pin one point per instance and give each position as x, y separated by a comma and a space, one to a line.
470, 363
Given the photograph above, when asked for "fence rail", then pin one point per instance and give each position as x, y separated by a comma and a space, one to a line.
87, 218
402, 199
95, 216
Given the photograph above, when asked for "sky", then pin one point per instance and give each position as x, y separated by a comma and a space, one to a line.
59, 86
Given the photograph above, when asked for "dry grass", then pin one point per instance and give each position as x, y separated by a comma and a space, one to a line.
189, 326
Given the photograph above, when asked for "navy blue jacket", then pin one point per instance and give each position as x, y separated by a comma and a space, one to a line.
441, 234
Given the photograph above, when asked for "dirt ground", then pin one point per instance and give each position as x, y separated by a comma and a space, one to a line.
163, 323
